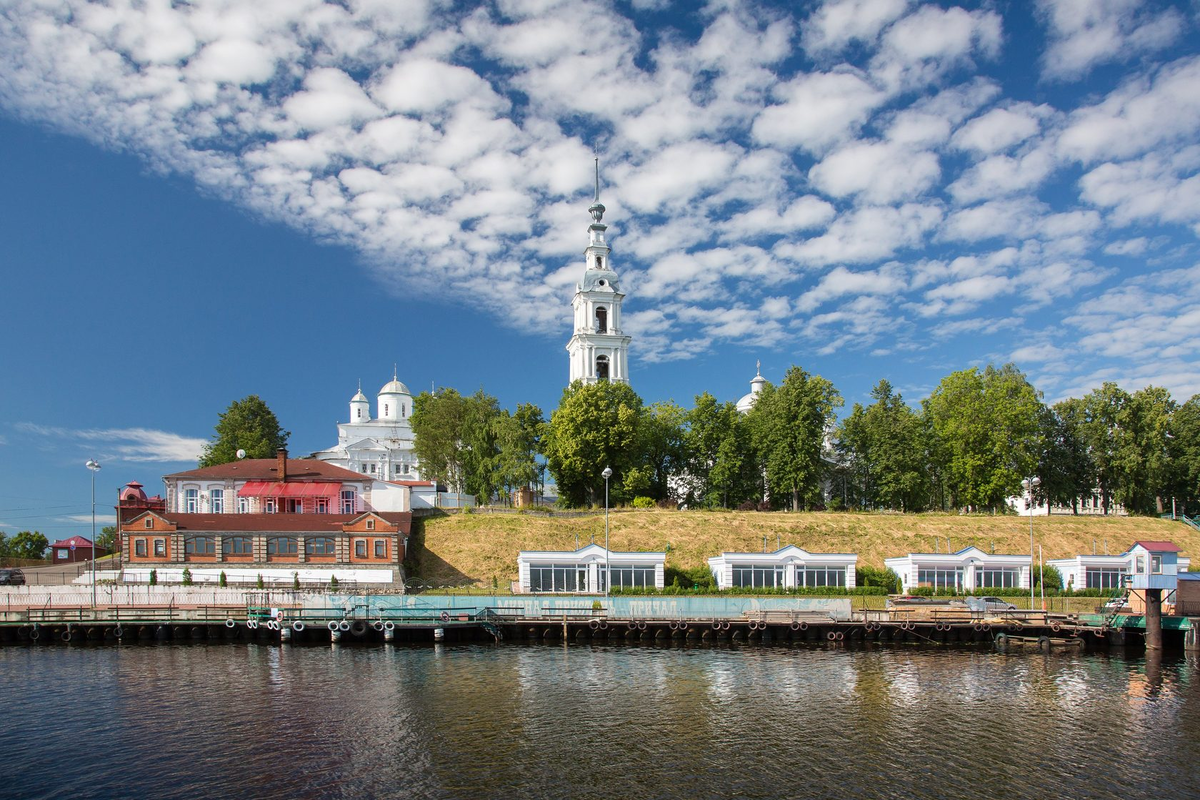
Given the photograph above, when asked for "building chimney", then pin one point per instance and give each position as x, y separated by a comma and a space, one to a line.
281, 463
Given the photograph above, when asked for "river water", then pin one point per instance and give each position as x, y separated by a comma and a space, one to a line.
585, 721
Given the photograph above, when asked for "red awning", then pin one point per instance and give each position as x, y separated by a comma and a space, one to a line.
297, 489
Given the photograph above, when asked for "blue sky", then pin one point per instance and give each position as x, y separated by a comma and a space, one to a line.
216, 199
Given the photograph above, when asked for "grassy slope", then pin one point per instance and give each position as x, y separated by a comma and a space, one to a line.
479, 547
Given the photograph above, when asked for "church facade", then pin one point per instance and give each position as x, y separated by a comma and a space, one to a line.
380, 447
598, 350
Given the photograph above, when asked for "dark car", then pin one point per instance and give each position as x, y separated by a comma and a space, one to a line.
12, 577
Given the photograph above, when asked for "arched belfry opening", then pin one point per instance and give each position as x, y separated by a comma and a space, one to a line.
602, 368
601, 320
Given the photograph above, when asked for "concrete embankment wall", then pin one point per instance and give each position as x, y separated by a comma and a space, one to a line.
33, 596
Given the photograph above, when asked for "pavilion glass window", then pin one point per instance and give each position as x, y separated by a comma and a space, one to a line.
941, 578
820, 576
757, 576
994, 578
1105, 577
557, 578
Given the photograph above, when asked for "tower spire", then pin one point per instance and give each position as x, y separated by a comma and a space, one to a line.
597, 179
597, 208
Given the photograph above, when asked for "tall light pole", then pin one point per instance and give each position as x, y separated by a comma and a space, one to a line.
607, 569
1030, 484
94, 467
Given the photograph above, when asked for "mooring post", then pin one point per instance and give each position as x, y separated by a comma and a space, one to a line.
1154, 619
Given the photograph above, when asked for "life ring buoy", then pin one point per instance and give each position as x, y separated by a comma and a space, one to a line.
377, 625
1054, 626
119, 632
332, 625
343, 625
229, 623
65, 635
389, 626
35, 634
298, 626
445, 616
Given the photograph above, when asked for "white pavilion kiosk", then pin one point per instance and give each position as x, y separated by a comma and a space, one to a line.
787, 568
583, 571
965, 571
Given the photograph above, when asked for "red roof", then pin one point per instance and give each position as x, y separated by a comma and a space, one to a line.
266, 469
289, 489
412, 483
1160, 547
267, 523
78, 541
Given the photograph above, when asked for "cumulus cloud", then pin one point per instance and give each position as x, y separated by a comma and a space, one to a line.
826, 176
1085, 33
126, 444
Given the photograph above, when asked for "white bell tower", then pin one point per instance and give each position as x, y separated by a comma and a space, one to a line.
598, 351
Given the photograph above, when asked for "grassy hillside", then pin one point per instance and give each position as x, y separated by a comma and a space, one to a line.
477, 548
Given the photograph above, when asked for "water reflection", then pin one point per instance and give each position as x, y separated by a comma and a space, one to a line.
597, 721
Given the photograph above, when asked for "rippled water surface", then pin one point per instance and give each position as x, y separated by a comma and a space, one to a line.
595, 722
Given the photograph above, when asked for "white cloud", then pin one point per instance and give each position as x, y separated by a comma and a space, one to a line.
1001, 128
879, 172
837, 23
921, 48
864, 235
817, 110
889, 279
127, 444
1084, 33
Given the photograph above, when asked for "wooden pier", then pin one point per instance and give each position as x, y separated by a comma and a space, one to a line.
297, 625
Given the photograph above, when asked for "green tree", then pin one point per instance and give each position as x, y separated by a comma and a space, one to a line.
717, 454
28, 544
594, 426
1184, 449
518, 437
882, 448
437, 423
107, 538
1065, 467
987, 434
789, 424
248, 424
1103, 409
1143, 459
661, 446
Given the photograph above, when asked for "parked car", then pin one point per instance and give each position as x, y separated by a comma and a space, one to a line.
1113, 604
997, 604
12, 577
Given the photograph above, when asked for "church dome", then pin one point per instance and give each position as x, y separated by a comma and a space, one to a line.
756, 385
359, 398
394, 387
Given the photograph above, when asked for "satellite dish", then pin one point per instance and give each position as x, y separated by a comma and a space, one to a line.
241, 453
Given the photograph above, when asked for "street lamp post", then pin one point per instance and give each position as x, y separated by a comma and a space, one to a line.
607, 473
94, 467
1029, 485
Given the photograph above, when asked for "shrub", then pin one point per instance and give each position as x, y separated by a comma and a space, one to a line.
187, 577
643, 502
153, 577
749, 505
333, 584
259, 583
222, 581
875, 576
296, 580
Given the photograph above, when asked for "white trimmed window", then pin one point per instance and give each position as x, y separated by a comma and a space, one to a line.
349, 502
191, 501
218, 500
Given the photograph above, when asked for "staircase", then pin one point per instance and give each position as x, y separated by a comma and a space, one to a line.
1193, 521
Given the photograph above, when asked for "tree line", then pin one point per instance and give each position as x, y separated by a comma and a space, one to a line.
967, 446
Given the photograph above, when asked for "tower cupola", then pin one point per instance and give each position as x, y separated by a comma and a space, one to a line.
360, 406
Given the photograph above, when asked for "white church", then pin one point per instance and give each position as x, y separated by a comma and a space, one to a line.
381, 447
